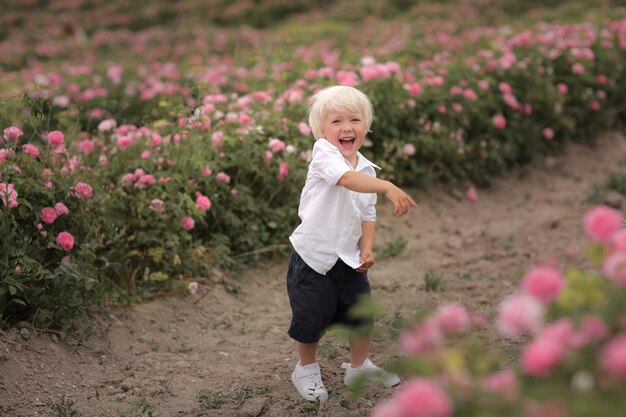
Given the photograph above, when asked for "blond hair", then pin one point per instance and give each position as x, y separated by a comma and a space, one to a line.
338, 98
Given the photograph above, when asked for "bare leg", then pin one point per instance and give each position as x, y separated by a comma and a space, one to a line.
307, 352
359, 350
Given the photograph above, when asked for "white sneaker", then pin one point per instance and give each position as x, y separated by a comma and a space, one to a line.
308, 381
370, 374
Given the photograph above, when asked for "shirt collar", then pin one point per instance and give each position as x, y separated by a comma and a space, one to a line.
362, 163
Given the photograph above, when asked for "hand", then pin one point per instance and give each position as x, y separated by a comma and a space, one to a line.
401, 200
367, 261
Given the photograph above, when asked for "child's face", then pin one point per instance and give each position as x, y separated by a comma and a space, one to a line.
346, 130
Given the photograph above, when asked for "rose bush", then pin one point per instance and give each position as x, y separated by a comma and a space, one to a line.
569, 335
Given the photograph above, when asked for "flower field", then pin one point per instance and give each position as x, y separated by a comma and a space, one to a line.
144, 147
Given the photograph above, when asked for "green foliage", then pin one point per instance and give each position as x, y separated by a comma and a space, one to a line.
210, 401
432, 281
393, 248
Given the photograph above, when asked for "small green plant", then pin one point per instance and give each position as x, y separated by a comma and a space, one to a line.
432, 281
394, 247
328, 350
216, 400
65, 408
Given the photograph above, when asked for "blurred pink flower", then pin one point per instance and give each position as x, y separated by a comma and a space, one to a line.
614, 267
61, 209
425, 338
65, 240
18, 269
83, 190
505, 88
202, 202
562, 88
156, 205
283, 170
578, 68
544, 283
613, 356
277, 145
519, 314
206, 171
193, 287
502, 382
601, 222
222, 176
540, 356
415, 89
602, 79
48, 215
498, 121
593, 328
409, 149
8, 195
618, 240
107, 125
31, 150
594, 105
304, 129
422, 397
12, 133
85, 146
547, 133
387, 409
217, 138
55, 138
65, 261
144, 181
452, 318
471, 194
188, 223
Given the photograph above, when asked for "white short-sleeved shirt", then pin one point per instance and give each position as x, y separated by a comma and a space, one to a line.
331, 214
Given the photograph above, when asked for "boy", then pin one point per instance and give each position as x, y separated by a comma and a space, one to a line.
334, 242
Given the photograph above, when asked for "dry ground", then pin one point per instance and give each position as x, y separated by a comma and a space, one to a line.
224, 351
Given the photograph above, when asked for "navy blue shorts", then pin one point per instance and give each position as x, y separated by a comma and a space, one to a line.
317, 300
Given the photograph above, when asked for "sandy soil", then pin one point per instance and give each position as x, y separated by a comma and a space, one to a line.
225, 352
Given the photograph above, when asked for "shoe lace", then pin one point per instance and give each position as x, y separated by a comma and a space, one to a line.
313, 380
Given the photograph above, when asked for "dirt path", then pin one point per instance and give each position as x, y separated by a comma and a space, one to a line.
224, 352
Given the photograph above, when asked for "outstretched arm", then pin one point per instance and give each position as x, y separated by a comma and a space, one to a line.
362, 183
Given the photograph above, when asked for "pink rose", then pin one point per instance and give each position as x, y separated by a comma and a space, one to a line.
202, 202
613, 356
601, 222
540, 356
188, 223
453, 318
56, 138
61, 209
421, 397
65, 240
519, 314
499, 122
471, 195
31, 150
283, 170
544, 283
83, 190
12, 133
48, 215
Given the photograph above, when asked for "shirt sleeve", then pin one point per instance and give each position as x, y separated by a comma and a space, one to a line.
369, 214
327, 162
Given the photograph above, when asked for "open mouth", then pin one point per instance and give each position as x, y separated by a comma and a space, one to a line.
346, 142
